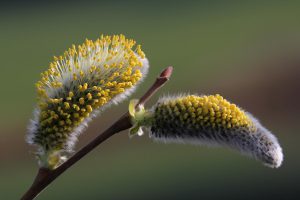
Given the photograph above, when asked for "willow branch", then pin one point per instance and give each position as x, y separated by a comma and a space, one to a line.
46, 176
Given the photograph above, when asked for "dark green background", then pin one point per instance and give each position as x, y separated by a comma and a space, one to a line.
246, 51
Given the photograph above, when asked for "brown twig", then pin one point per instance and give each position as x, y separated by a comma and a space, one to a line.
46, 176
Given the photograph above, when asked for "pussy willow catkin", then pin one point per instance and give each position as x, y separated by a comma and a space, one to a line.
77, 86
210, 120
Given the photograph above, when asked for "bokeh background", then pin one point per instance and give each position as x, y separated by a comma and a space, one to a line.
248, 51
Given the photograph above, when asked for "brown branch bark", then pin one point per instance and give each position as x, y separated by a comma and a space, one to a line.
45, 176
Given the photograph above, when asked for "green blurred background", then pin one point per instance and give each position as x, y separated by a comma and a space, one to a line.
246, 51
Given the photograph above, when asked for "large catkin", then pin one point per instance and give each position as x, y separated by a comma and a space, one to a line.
77, 86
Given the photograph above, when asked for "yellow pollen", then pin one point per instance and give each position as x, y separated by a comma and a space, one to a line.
89, 96
81, 101
89, 108
71, 94
67, 105
211, 110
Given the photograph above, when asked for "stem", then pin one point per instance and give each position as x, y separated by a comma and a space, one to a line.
160, 81
45, 176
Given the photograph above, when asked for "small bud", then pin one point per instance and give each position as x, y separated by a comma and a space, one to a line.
77, 86
212, 120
